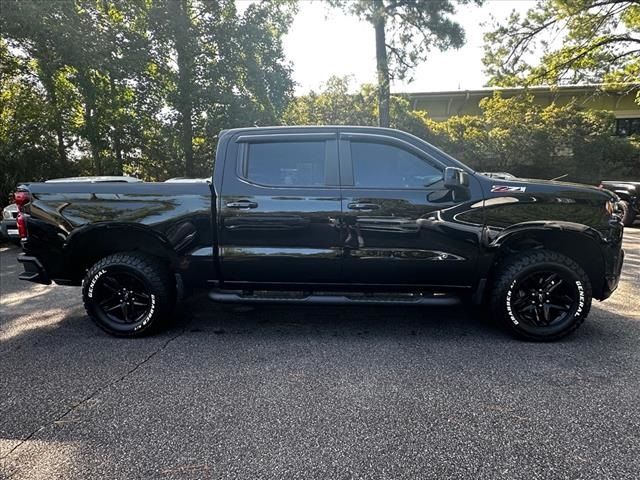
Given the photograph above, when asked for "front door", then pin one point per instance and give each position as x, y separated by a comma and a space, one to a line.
279, 210
401, 225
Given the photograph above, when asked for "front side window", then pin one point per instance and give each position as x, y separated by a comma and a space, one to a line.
286, 163
379, 165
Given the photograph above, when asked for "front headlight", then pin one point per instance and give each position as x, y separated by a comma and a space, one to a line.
6, 214
613, 208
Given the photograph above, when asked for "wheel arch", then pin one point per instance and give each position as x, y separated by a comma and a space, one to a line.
86, 245
578, 242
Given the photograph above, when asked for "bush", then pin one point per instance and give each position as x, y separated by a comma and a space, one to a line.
530, 140
514, 134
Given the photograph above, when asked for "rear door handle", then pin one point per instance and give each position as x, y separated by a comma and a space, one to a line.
363, 206
242, 204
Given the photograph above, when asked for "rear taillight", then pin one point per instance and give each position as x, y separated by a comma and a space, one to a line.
21, 197
21, 222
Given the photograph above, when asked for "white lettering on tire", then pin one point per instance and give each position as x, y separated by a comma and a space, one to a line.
579, 310
147, 318
580, 298
93, 282
509, 309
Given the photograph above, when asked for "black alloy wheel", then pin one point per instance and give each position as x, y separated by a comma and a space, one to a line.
544, 298
540, 295
129, 294
122, 297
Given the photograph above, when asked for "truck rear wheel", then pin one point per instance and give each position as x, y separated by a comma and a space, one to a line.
628, 216
541, 295
128, 294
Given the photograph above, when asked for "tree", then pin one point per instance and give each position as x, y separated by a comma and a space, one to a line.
519, 136
397, 23
179, 15
589, 41
142, 87
31, 26
334, 105
93, 54
230, 68
28, 140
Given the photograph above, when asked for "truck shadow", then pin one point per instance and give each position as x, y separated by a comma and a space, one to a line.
200, 315
59, 313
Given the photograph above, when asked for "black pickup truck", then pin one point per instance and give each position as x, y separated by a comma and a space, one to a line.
328, 215
629, 194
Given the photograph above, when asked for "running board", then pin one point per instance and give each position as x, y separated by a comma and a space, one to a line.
417, 299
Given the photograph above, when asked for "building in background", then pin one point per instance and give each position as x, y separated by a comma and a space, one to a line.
621, 102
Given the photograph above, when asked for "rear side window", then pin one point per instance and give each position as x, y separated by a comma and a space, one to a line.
286, 163
379, 165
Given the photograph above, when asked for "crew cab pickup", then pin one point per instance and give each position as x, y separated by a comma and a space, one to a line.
340, 215
629, 194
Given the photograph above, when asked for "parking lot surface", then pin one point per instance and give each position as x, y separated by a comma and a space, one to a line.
315, 392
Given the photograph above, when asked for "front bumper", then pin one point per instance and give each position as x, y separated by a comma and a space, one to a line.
614, 258
9, 229
34, 271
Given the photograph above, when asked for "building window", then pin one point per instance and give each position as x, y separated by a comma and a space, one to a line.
627, 126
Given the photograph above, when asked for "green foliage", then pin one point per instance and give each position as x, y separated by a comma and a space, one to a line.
513, 134
529, 140
134, 86
591, 41
27, 138
335, 105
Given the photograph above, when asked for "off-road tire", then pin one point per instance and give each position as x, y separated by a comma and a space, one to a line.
154, 278
518, 267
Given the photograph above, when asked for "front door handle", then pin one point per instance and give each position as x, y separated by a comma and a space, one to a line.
242, 204
363, 206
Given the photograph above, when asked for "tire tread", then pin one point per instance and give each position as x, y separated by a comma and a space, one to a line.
515, 264
155, 273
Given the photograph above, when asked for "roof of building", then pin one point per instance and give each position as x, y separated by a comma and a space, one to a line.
623, 88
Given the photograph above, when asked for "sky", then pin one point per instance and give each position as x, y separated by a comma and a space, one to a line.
324, 42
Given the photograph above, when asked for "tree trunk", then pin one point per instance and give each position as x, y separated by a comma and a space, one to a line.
116, 127
91, 129
185, 59
384, 92
117, 147
46, 77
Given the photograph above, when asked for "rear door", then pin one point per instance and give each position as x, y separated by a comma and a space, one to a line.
402, 226
279, 209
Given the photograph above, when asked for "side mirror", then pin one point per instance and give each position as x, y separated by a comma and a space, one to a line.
456, 179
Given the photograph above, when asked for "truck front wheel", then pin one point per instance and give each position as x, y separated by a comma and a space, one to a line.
128, 294
541, 295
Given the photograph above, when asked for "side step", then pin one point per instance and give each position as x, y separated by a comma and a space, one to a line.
417, 299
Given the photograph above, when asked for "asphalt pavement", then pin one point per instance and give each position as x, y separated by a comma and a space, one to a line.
297, 392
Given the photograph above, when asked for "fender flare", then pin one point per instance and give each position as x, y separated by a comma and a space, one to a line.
586, 248
526, 228
86, 244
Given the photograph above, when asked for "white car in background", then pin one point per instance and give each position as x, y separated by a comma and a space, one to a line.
8, 227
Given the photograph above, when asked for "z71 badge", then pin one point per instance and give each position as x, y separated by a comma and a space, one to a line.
507, 188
